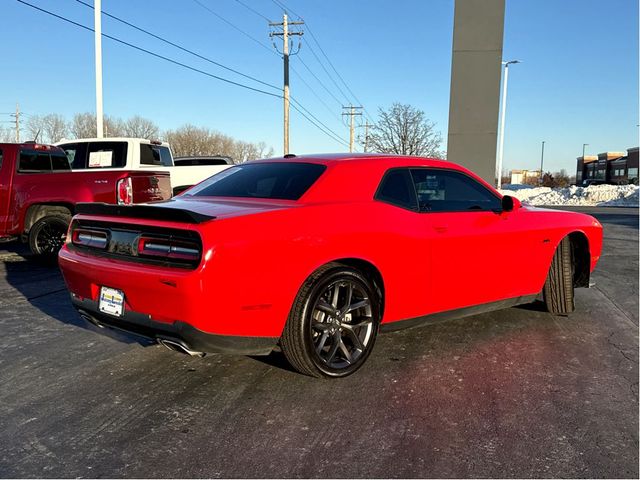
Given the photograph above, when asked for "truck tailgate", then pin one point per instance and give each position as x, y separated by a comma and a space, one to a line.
150, 186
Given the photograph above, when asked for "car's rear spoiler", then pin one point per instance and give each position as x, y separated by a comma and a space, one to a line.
150, 212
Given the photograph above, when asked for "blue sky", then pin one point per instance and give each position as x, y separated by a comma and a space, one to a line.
578, 82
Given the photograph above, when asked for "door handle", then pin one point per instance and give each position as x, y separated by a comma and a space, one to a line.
440, 228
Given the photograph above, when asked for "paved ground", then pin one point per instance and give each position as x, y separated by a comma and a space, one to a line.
517, 393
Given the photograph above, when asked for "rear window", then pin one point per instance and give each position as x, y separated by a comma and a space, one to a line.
35, 161
282, 181
106, 155
155, 155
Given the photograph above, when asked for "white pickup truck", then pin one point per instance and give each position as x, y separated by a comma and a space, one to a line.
134, 154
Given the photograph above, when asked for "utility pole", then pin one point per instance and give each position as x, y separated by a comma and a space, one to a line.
542, 163
17, 115
366, 126
97, 19
351, 113
285, 34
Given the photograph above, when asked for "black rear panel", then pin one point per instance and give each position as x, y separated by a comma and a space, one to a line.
123, 242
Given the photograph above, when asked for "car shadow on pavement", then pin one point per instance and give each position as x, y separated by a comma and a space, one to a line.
39, 281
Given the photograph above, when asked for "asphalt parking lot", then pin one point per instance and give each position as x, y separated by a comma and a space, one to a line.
515, 393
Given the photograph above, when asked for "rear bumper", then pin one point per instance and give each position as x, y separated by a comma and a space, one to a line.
177, 332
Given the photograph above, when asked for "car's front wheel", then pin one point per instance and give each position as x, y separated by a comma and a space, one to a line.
559, 289
333, 324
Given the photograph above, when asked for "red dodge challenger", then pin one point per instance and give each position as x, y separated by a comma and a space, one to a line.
316, 254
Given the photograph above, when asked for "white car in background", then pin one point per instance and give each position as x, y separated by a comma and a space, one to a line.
134, 154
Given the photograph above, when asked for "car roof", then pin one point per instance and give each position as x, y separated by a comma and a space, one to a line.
111, 139
378, 159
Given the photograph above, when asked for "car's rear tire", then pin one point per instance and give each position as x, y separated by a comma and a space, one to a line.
558, 291
48, 234
333, 323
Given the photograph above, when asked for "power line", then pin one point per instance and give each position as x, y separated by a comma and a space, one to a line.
301, 78
175, 62
336, 136
284, 8
317, 126
313, 52
281, 5
184, 49
232, 25
149, 52
253, 10
270, 50
319, 81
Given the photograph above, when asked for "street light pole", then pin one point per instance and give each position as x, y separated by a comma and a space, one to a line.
542, 163
502, 117
97, 19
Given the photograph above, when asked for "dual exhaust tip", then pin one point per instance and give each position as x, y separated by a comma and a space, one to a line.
171, 344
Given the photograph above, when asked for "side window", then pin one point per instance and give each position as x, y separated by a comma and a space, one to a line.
165, 156
77, 155
149, 155
155, 155
0, 158
107, 155
449, 191
397, 189
60, 162
32, 161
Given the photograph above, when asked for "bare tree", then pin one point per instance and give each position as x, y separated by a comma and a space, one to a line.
403, 129
49, 128
83, 125
191, 140
140, 127
7, 134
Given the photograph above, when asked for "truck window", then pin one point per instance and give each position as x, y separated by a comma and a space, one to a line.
77, 155
155, 155
33, 161
59, 161
106, 155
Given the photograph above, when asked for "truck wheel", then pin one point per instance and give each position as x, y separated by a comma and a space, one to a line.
48, 234
333, 324
558, 289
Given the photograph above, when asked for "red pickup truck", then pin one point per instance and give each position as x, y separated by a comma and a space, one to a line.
39, 191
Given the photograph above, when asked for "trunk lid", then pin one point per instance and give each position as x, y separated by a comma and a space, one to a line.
150, 186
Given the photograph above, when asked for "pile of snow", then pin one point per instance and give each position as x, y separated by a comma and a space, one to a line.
594, 195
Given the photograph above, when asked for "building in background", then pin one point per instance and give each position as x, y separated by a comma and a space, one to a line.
519, 177
608, 167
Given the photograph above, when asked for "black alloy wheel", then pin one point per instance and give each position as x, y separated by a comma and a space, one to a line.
47, 235
341, 324
334, 323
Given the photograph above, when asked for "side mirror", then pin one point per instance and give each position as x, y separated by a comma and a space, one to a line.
510, 203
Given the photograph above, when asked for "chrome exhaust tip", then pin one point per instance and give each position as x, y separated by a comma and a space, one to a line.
177, 346
91, 320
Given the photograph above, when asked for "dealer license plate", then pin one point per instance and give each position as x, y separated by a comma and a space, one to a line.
111, 301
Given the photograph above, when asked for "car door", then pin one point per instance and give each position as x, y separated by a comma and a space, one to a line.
5, 184
470, 240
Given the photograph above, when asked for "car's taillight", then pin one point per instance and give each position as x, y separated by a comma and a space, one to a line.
169, 248
90, 238
124, 191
